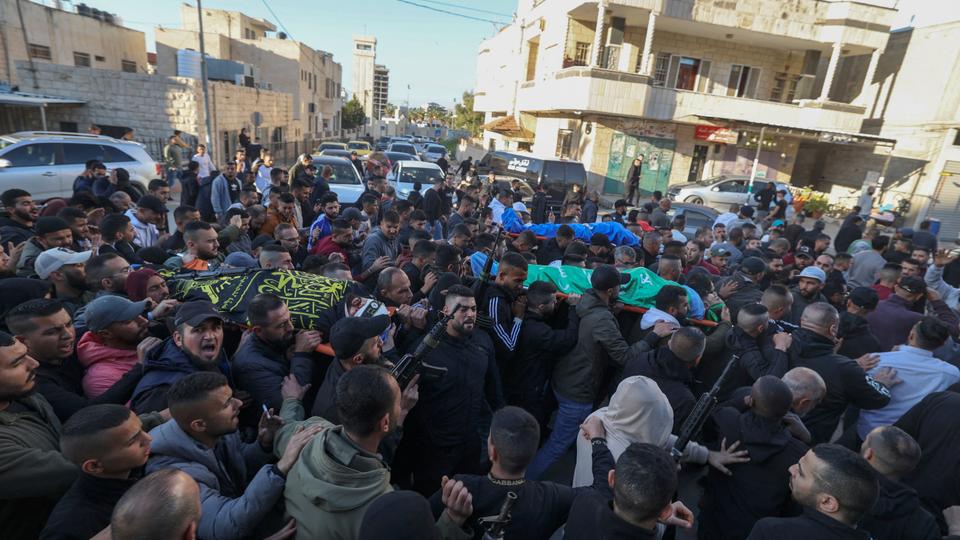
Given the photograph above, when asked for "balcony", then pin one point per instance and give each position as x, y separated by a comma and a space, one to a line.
585, 90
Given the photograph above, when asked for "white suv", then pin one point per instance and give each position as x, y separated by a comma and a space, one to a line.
46, 163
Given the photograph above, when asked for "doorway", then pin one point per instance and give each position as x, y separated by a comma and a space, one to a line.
697, 162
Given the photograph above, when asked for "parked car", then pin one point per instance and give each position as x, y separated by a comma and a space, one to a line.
362, 148
345, 182
400, 156
382, 144
331, 146
721, 191
405, 173
696, 215
559, 175
405, 147
337, 152
434, 152
46, 163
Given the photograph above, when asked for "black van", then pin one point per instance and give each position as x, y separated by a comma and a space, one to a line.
559, 175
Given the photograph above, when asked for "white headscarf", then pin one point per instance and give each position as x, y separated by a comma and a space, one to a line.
638, 413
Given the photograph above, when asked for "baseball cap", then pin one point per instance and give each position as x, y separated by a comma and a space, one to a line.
50, 224
519, 207
719, 251
813, 272
52, 259
152, 203
913, 285
348, 335
353, 213
106, 310
195, 312
805, 251
753, 265
607, 277
906, 232
777, 223
600, 240
864, 297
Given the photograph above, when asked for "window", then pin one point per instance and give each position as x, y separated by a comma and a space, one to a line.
742, 81
40, 52
733, 186
581, 55
99, 58
81, 59
128, 66
74, 154
660, 69
553, 171
956, 138
32, 155
115, 155
277, 135
564, 143
784, 87
363, 47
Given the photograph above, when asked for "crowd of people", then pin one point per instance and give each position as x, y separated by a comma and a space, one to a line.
128, 414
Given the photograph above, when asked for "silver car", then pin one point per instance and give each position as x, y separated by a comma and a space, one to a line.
434, 152
46, 163
721, 191
345, 182
407, 173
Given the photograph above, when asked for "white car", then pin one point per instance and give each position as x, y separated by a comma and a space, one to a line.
405, 147
721, 191
433, 152
405, 173
345, 182
45, 163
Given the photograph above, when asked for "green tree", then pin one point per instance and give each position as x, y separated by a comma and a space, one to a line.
466, 118
389, 110
353, 116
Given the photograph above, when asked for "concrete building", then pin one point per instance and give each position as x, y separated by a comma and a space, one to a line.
381, 87
695, 86
364, 68
311, 76
93, 39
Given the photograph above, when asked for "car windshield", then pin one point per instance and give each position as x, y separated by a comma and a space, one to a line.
411, 175
405, 148
5, 142
343, 173
357, 146
436, 149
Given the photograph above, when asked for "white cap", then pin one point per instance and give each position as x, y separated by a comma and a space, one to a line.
52, 259
520, 207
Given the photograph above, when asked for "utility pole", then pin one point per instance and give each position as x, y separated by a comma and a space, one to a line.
203, 80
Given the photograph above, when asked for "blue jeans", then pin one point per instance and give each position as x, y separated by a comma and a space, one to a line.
171, 177
565, 430
435, 229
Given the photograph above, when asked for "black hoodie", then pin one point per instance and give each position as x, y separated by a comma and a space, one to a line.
847, 383
672, 376
760, 488
14, 231
858, 340
758, 357
897, 515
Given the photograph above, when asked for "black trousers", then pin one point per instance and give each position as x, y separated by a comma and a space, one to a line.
633, 191
432, 463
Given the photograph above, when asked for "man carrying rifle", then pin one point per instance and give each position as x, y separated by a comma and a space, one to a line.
444, 432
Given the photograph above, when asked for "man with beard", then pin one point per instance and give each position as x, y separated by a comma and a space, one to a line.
17, 226
118, 235
380, 248
240, 483
196, 345
356, 341
261, 363
203, 248
323, 225
836, 488
65, 269
117, 339
807, 291
289, 239
225, 190
39, 474
445, 430
77, 219
52, 232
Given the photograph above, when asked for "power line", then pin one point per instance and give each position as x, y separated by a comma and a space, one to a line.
458, 6
431, 8
279, 22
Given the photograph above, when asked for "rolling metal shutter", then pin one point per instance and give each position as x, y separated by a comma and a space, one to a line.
947, 205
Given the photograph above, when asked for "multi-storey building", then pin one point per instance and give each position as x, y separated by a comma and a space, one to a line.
695, 86
364, 71
381, 87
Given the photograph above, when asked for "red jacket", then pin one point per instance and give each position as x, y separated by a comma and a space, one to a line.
326, 246
104, 365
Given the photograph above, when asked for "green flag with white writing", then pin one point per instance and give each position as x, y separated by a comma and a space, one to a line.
641, 290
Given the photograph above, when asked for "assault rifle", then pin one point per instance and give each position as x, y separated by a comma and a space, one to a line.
701, 411
412, 364
483, 283
495, 525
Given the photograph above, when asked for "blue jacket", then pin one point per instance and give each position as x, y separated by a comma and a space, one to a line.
163, 366
220, 194
237, 487
260, 368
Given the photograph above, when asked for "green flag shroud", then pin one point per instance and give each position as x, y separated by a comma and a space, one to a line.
640, 292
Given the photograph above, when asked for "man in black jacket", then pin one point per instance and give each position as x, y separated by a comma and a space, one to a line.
731, 505
505, 306
747, 279
541, 507
855, 332
525, 378
554, 248
22, 213
444, 424
633, 180
108, 444
807, 291
641, 486
836, 488
433, 208
897, 515
261, 364
847, 383
670, 367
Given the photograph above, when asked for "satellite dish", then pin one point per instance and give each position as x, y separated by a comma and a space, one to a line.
256, 119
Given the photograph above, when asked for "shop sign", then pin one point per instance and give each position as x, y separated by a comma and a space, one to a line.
838, 138
716, 134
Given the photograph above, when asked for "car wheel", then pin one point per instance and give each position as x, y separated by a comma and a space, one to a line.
694, 199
